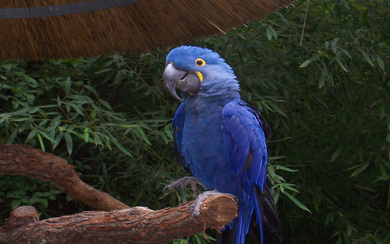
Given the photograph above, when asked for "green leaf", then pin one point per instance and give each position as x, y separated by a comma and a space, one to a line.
15, 203
44, 134
77, 108
342, 65
142, 134
86, 134
274, 33
360, 169
69, 142
296, 201
31, 135
316, 202
120, 147
57, 139
284, 168
367, 58
335, 154
346, 53
93, 114
269, 34
334, 44
326, 44
380, 63
278, 109
349, 230
96, 139
168, 131
306, 63
197, 239
41, 141
4, 117
67, 85
339, 240
12, 137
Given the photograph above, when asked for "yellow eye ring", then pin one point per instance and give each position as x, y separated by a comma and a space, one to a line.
200, 62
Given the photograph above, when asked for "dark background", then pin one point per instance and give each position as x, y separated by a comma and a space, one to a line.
326, 100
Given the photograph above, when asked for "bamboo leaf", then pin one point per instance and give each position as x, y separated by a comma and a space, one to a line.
168, 131
41, 141
380, 63
284, 168
142, 134
367, 58
12, 137
360, 169
269, 34
297, 202
342, 65
306, 63
86, 134
44, 134
57, 139
31, 135
67, 85
120, 147
69, 142
334, 44
335, 154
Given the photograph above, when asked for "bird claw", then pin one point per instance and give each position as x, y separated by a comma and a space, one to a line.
183, 182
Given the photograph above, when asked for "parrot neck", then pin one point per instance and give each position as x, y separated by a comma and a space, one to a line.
228, 87
201, 99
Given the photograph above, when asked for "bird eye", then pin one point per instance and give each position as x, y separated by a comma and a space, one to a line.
200, 62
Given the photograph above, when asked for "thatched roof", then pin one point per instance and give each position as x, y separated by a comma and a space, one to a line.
39, 29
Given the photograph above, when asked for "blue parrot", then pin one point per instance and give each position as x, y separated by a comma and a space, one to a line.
222, 140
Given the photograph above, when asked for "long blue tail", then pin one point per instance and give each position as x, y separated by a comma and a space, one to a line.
262, 225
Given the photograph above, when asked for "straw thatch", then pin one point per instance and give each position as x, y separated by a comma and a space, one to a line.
127, 28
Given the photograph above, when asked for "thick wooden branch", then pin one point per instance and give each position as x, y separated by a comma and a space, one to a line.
120, 225
28, 161
133, 225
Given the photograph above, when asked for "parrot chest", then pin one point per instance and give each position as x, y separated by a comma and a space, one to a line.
204, 148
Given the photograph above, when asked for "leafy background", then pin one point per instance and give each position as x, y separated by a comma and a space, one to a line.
325, 93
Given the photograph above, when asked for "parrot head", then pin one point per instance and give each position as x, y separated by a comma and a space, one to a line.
198, 71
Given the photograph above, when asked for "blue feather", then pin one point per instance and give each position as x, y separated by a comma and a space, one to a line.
219, 137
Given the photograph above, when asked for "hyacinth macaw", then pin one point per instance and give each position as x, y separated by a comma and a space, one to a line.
222, 140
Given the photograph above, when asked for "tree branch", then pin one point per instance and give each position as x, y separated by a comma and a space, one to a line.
132, 225
28, 161
120, 225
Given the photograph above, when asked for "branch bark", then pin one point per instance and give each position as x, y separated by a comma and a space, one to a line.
132, 225
120, 225
28, 161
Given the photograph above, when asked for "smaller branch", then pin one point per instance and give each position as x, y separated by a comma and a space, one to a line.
22, 216
132, 225
28, 161
304, 22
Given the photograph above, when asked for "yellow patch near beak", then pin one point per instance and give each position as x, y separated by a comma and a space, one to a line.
200, 75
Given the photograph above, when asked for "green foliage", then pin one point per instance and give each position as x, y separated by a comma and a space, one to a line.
326, 100
24, 191
66, 107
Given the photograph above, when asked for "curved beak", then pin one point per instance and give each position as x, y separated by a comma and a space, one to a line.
184, 80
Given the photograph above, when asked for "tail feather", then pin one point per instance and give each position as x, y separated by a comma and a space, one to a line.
237, 230
266, 230
272, 229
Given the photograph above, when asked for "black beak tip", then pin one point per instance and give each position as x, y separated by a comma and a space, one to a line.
172, 90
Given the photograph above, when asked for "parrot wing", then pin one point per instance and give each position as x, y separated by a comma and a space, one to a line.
245, 141
245, 133
177, 127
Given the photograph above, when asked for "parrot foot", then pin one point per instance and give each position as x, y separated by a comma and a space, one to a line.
183, 182
195, 207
